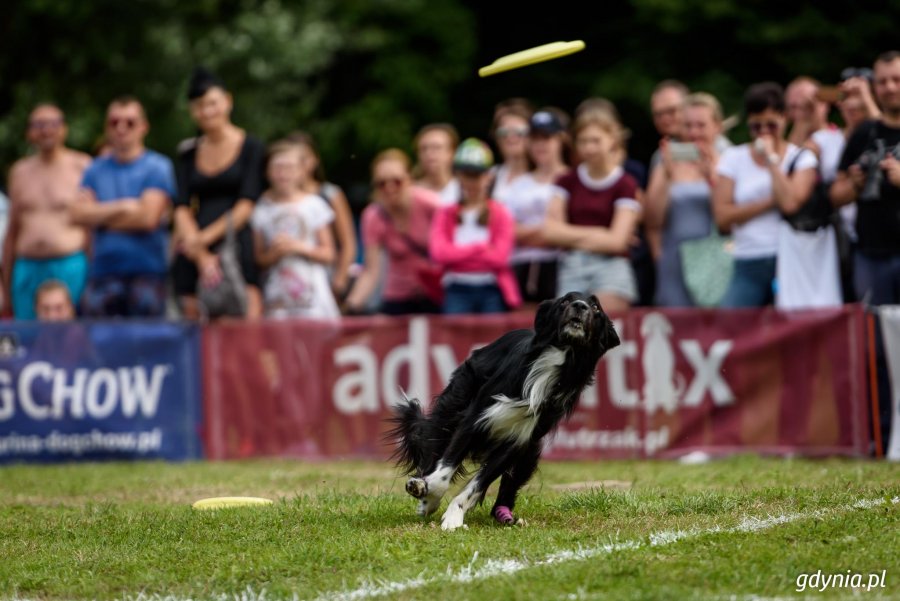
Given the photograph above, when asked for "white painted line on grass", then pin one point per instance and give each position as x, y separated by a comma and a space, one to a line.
497, 567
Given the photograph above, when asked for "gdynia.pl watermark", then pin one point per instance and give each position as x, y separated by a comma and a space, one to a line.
820, 582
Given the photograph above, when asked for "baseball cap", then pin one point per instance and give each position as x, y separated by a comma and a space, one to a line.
473, 156
547, 123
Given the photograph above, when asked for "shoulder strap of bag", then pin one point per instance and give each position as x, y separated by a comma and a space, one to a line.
793, 164
407, 239
230, 234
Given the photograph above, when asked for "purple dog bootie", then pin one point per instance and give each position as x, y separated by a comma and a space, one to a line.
503, 514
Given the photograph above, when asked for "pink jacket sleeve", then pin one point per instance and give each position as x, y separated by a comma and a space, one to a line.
441, 246
503, 237
476, 257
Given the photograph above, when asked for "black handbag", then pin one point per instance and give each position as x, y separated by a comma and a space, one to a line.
817, 212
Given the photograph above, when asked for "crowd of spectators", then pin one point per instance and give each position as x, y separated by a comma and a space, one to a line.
808, 210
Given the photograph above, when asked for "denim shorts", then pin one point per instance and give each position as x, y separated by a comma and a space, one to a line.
594, 273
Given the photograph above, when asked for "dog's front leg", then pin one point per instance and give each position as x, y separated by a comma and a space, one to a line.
463, 502
474, 491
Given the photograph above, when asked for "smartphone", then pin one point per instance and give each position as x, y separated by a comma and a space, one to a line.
684, 151
829, 94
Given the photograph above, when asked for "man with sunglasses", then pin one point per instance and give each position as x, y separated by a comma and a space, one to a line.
41, 243
124, 199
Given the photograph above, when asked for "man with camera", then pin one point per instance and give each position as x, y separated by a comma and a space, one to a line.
869, 175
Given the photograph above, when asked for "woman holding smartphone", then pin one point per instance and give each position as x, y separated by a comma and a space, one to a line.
755, 183
679, 195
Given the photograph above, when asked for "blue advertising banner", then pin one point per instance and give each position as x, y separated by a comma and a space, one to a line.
99, 390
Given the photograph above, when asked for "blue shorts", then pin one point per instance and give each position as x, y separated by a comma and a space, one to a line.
29, 274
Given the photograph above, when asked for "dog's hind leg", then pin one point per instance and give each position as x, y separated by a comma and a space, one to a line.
431, 488
512, 480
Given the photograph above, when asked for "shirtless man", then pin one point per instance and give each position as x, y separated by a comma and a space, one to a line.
41, 242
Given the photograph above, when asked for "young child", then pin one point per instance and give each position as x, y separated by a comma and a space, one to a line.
293, 242
594, 215
473, 239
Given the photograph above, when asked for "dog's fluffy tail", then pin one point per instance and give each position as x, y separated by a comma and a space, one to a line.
407, 433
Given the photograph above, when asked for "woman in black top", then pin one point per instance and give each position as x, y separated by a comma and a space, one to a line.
220, 171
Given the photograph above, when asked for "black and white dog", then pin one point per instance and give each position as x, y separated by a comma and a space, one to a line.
498, 406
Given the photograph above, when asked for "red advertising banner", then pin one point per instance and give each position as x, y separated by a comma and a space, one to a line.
682, 380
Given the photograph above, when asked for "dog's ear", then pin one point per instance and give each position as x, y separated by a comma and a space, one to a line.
609, 338
544, 316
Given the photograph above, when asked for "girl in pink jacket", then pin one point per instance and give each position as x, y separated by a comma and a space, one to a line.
473, 240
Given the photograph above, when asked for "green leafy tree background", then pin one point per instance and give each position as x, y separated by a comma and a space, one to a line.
363, 75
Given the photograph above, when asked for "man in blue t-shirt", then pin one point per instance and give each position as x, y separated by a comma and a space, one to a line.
125, 199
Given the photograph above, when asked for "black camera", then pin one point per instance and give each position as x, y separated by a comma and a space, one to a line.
869, 163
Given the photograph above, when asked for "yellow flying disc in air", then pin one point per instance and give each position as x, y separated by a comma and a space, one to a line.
223, 502
538, 54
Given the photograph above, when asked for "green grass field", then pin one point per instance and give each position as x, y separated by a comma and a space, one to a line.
743, 528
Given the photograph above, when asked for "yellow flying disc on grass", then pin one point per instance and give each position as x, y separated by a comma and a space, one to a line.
223, 502
538, 54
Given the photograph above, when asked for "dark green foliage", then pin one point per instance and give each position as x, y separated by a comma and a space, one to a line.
364, 75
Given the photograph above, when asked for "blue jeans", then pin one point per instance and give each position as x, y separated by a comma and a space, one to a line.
877, 279
465, 298
751, 284
125, 296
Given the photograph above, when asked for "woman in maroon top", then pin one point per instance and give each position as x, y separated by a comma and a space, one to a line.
594, 215
220, 173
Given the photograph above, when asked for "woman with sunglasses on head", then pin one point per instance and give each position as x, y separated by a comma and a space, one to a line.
754, 181
220, 176
395, 226
510, 132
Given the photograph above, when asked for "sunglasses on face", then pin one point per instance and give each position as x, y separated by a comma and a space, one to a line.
757, 127
383, 184
42, 124
128, 122
506, 132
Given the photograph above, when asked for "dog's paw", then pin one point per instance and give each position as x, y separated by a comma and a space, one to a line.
453, 517
417, 487
521, 522
503, 514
